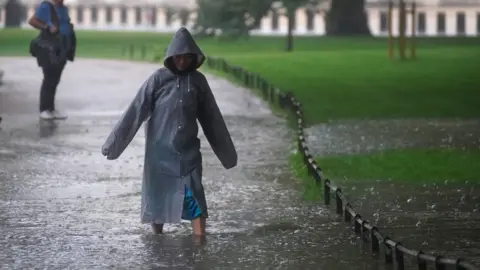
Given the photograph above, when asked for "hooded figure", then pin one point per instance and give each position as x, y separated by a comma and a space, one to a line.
174, 97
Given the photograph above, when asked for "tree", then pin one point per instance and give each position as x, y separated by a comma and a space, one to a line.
184, 14
347, 17
290, 7
15, 13
230, 18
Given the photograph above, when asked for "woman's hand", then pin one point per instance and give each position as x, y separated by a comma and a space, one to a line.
53, 29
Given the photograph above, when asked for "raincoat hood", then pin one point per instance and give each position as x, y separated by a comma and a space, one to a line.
183, 43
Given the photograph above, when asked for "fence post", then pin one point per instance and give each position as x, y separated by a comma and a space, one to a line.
438, 264
375, 241
458, 264
326, 192
357, 225
422, 264
347, 215
399, 257
265, 89
339, 201
365, 234
388, 253
271, 90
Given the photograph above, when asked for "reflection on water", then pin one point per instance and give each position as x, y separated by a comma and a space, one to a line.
47, 128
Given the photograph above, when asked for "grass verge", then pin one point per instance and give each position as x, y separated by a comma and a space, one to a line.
310, 190
416, 166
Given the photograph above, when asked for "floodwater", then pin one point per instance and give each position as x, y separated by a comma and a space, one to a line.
62, 205
351, 136
440, 218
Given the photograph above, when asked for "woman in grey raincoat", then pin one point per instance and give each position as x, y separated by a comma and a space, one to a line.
174, 97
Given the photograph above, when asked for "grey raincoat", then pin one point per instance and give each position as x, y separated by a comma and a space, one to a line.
173, 101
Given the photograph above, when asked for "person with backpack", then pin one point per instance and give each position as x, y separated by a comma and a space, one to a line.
54, 46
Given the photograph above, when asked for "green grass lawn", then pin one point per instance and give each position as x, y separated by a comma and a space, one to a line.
412, 166
340, 78
405, 165
335, 78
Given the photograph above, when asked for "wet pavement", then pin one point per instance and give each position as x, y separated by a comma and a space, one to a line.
62, 205
349, 136
441, 218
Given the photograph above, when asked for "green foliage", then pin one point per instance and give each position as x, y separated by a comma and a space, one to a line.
234, 18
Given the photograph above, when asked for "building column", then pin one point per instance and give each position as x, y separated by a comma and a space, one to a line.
319, 23
301, 21
2, 15
192, 18
161, 19
266, 24
451, 22
87, 16
145, 19
116, 16
373, 16
431, 22
131, 17
102, 16
176, 22
471, 22
72, 12
282, 21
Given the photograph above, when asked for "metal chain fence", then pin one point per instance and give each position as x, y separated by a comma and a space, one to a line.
394, 252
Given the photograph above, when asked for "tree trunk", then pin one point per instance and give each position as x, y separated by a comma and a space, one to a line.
347, 18
291, 21
14, 13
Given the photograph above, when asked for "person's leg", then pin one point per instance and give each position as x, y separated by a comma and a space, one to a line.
198, 226
45, 89
46, 92
57, 75
192, 212
157, 228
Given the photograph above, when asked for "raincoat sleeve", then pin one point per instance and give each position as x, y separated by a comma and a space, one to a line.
131, 120
214, 127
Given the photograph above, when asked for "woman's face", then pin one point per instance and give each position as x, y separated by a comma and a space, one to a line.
183, 61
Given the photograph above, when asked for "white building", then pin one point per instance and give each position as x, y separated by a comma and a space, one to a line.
434, 17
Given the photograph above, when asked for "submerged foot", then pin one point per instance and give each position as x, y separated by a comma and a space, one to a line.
157, 228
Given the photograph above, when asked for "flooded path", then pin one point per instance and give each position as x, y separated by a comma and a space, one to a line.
440, 218
62, 205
